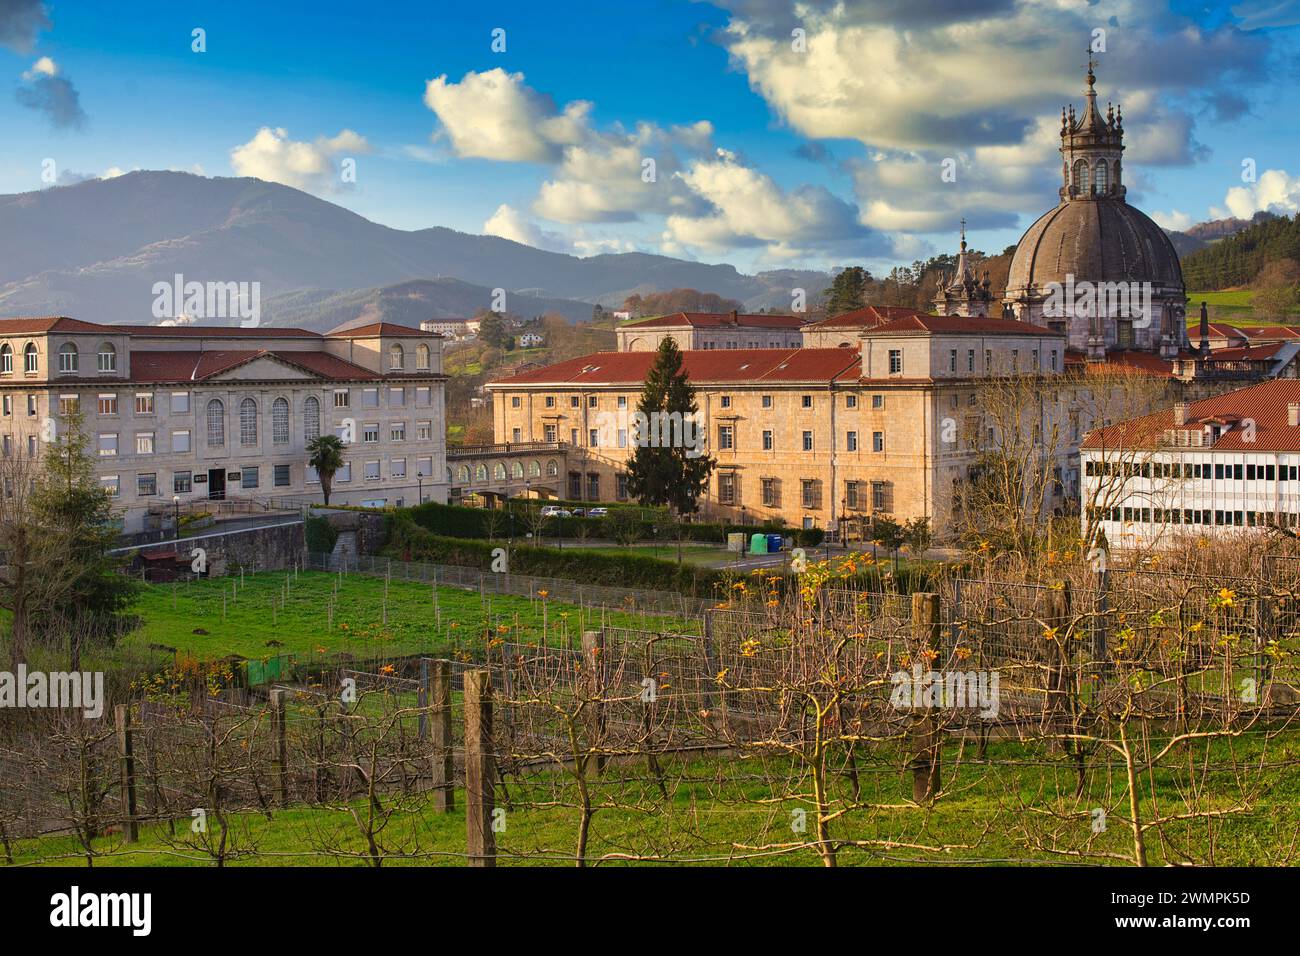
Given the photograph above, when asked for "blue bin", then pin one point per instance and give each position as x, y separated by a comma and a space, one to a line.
773, 543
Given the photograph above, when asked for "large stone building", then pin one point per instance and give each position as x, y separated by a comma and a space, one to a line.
179, 414
807, 436
712, 330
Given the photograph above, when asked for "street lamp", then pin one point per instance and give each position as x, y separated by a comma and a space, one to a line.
176, 514
419, 483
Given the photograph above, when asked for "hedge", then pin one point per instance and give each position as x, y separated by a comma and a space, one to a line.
320, 535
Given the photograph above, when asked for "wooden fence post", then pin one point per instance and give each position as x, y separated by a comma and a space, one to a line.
480, 795
279, 739
593, 659
444, 789
926, 762
125, 747
1057, 618
422, 700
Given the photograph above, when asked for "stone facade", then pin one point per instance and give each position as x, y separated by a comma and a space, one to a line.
708, 330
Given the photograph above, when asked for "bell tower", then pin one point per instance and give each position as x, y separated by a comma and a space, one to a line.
1091, 147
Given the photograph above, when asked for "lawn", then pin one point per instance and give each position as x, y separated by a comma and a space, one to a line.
260, 618
703, 554
1231, 305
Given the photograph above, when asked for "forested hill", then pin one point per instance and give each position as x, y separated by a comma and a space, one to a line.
1237, 260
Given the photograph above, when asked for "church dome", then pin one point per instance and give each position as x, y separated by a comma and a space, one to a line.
1098, 240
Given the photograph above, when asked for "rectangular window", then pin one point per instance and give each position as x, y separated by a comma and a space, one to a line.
1053, 360
107, 405
725, 401
767, 440
970, 360
31, 404
341, 398
952, 360
880, 496
850, 401
396, 396
146, 485
810, 492
423, 396
767, 401
593, 401
807, 441
144, 403
370, 398
573, 436
424, 431
575, 401
144, 443
550, 401
895, 361
112, 485
516, 401
851, 494
372, 471
33, 450
182, 483
593, 437
806, 401
727, 488
107, 446
622, 438
988, 360
180, 403
726, 437
370, 433
397, 431
877, 441
249, 476
344, 473
771, 492
851, 441
877, 402
424, 467
68, 404
397, 468
549, 433
620, 487
593, 486
622, 401
516, 434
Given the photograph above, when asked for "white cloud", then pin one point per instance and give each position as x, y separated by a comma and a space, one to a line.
1174, 219
42, 67
272, 156
1276, 191
46, 90
508, 223
494, 115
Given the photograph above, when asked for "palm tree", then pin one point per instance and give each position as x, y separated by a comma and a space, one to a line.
326, 453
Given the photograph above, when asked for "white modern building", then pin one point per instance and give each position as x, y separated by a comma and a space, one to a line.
1226, 465
452, 328
179, 414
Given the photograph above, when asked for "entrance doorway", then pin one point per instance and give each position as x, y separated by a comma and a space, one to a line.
216, 484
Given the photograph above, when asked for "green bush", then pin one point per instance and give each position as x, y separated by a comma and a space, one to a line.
320, 535
809, 537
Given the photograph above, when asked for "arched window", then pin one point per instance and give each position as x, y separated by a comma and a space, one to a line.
534, 469
499, 471
6, 358
29, 357
395, 356
1080, 178
248, 422
310, 419
216, 424
280, 422
552, 468
1101, 176
462, 474
422, 356
480, 472
67, 358
107, 358
517, 470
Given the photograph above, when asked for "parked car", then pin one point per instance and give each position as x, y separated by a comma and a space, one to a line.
555, 511
579, 512
598, 513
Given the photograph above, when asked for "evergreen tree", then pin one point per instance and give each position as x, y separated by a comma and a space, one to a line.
658, 476
848, 291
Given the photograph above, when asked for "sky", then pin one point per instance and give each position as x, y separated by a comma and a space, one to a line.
762, 133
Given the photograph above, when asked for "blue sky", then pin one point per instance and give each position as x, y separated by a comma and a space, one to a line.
766, 156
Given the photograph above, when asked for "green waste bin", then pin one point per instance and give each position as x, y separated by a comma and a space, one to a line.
758, 544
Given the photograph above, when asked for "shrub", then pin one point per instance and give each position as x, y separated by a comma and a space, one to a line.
320, 535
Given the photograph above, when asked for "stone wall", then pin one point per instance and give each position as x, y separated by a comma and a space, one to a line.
270, 548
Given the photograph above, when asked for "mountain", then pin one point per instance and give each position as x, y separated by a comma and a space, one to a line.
1197, 237
1237, 259
95, 249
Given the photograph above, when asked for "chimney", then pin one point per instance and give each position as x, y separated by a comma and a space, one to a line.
1293, 414
735, 317
1205, 331
1180, 414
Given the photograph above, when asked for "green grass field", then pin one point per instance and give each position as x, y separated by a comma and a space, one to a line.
1232, 305
259, 621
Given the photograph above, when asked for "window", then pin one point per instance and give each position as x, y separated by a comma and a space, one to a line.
7, 444
771, 488
216, 424
397, 468
850, 401
550, 401
593, 437
727, 488
282, 477
8, 402
395, 356
620, 487
622, 401
952, 360
622, 438
593, 486
1053, 360
552, 468
182, 482
877, 402
248, 477
422, 357
549, 433
880, 496
396, 396
767, 439
593, 401
424, 431
877, 441
370, 398
970, 360
248, 422
807, 441
6, 359
344, 473
370, 433
851, 441
575, 401
144, 443
851, 495
895, 361
988, 360
107, 359
726, 437
516, 401
424, 468
767, 401
280, 422
180, 403
112, 485
29, 358
144, 403
534, 469
341, 398
423, 396
397, 431
181, 441
310, 419
811, 492
107, 405
31, 405
573, 436
516, 469
68, 358
806, 401
68, 404
725, 401
146, 485
372, 471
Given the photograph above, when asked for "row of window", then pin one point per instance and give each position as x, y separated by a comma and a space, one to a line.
727, 439
499, 470
106, 358
810, 492
1188, 471
396, 397
753, 344
1195, 516
724, 401
988, 360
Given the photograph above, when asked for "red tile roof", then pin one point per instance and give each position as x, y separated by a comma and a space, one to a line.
865, 318
217, 331
710, 320
957, 324
171, 366
35, 325
375, 329
707, 366
1265, 404
1249, 353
